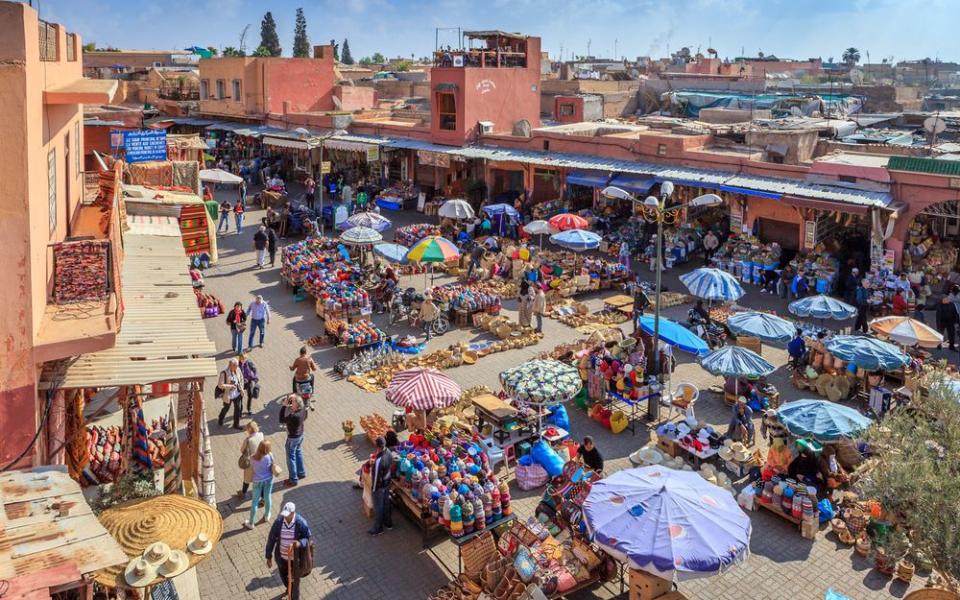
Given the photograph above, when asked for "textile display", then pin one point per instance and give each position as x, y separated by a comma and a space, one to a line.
104, 447
81, 271
208, 485
172, 483
185, 173
152, 173
77, 452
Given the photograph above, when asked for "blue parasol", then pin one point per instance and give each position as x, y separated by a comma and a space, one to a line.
822, 307
767, 327
577, 240
822, 420
867, 352
712, 284
393, 252
494, 210
670, 523
675, 334
736, 361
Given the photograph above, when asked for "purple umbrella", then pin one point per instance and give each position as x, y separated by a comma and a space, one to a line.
667, 522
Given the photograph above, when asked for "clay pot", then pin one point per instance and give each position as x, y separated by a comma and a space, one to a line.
905, 570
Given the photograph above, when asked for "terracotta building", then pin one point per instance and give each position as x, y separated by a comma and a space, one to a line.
41, 166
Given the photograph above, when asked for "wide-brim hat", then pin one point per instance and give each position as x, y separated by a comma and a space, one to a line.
139, 572
648, 456
740, 452
200, 544
725, 452
177, 562
156, 553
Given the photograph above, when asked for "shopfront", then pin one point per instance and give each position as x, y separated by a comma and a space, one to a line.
300, 156
583, 189
352, 160
933, 239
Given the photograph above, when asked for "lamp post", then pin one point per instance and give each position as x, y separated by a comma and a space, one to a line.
655, 210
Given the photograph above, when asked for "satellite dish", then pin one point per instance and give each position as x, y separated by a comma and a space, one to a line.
522, 128
934, 125
856, 76
795, 111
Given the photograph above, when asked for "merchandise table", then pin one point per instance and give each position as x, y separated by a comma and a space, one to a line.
461, 541
808, 531
697, 458
429, 527
634, 409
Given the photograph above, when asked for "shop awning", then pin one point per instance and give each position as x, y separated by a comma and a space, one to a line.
735, 189
633, 183
335, 144
306, 144
594, 180
846, 207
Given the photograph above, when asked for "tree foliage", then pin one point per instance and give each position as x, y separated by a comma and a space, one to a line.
213, 51
346, 58
917, 477
268, 36
90, 47
261, 51
231, 51
851, 56
378, 58
336, 49
301, 45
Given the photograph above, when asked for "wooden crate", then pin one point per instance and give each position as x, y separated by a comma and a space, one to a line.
748, 342
644, 586
667, 446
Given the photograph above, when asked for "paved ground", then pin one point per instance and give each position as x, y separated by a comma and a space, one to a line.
351, 565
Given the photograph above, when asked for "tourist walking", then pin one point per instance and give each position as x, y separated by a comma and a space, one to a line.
237, 320
292, 416
260, 245
525, 304
272, 246
249, 447
310, 189
264, 469
303, 369
381, 474
288, 534
225, 209
710, 245
259, 314
539, 307
230, 392
238, 212
428, 314
242, 192
251, 380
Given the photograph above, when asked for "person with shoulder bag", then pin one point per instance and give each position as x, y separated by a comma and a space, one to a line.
230, 391
288, 535
264, 470
248, 447
237, 320
251, 380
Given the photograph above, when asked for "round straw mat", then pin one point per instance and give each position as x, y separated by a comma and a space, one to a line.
173, 519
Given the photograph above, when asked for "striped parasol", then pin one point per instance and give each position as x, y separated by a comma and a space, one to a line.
422, 389
208, 485
369, 219
172, 482
360, 236
433, 249
712, 284
907, 331
565, 221
736, 361
767, 327
822, 307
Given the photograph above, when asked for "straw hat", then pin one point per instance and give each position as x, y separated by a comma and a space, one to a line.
139, 573
175, 564
647, 456
172, 519
725, 452
200, 544
740, 452
470, 357
156, 553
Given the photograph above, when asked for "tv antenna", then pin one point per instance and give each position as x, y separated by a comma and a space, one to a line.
934, 125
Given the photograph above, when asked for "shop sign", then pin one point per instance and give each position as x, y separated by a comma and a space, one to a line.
809, 234
325, 167
889, 258
145, 144
373, 154
736, 222
436, 159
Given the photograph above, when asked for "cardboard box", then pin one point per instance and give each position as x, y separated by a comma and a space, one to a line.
667, 446
644, 586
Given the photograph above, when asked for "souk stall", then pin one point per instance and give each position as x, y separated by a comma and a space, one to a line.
764, 326
736, 362
750, 260
324, 268
503, 217
409, 235
399, 196
370, 220
712, 285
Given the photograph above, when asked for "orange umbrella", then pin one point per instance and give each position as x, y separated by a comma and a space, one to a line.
907, 331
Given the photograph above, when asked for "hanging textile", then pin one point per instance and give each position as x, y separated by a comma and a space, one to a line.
208, 487
77, 452
139, 453
172, 482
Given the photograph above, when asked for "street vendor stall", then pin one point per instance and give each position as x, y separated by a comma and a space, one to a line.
713, 285
408, 235
399, 196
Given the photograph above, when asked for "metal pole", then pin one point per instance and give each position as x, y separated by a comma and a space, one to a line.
653, 406
322, 222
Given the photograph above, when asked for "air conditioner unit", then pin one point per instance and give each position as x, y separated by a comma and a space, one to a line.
486, 127
458, 61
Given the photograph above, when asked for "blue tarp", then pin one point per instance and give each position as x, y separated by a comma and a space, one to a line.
633, 183
595, 180
747, 191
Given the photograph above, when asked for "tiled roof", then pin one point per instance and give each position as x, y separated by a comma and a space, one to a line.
924, 165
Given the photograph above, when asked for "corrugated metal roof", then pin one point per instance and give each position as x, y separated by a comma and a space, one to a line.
924, 165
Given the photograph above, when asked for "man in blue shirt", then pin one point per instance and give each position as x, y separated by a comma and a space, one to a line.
259, 315
797, 348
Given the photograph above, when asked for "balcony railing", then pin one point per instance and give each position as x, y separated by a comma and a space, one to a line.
480, 58
48, 42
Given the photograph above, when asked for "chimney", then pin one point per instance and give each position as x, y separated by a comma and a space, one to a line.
323, 52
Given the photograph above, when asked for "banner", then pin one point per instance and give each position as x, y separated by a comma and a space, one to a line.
145, 144
436, 159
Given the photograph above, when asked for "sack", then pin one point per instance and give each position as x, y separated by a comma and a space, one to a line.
244, 461
218, 392
531, 476
305, 556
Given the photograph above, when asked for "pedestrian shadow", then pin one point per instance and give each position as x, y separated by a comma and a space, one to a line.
259, 583
776, 530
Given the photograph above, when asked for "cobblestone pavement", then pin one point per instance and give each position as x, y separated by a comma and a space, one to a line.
352, 565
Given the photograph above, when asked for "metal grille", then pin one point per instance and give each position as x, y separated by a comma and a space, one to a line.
71, 47
949, 209
48, 42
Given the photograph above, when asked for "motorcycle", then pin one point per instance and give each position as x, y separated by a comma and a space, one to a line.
407, 306
713, 334
305, 391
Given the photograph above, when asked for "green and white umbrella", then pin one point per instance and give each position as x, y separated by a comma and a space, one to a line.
542, 382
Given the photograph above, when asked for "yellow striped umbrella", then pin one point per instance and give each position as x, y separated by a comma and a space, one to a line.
907, 331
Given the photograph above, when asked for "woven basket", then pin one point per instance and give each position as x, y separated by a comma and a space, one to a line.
931, 594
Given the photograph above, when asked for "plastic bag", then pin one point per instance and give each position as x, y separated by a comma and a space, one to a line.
545, 456
559, 418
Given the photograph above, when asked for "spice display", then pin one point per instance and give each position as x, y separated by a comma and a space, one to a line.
81, 271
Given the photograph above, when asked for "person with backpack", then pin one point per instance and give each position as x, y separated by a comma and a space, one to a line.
289, 545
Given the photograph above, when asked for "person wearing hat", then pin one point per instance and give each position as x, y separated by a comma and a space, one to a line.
381, 474
771, 427
288, 533
741, 422
428, 314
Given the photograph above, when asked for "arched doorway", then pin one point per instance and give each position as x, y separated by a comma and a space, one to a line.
933, 238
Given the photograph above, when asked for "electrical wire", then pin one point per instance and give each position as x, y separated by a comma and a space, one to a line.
43, 421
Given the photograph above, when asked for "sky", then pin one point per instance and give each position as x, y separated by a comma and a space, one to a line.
901, 29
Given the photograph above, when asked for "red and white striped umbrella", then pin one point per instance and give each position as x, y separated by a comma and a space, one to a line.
565, 221
422, 389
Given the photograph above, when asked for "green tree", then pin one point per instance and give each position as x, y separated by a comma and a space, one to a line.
346, 58
301, 45
366, 61
851, 56
213, 51
262, 51
231, 51
90, 47
268, 36
401, 66
336, 50
378, 58
916, 478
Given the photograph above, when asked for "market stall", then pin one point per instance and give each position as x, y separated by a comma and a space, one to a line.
713, 285
408, 235
734, 362
399, 196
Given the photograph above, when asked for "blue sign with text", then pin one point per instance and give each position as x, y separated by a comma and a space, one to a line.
145, 144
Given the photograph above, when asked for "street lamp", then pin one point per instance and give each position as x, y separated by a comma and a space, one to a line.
655, 210
306, 135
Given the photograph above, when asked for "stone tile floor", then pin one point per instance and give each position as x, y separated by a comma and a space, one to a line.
352, 565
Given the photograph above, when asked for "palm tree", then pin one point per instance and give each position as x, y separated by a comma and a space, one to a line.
851, 56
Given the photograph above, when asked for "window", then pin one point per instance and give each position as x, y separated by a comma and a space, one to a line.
72, 47
76, 143
661, 149
566, 110
205, 89
221, 89
847, 178
236, 90
447, 110
52, 188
